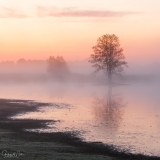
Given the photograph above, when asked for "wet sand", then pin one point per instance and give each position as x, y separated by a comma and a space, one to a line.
58, 145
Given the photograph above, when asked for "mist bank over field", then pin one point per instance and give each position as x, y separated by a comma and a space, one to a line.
136, 72
23, 66
134, 68
79, 71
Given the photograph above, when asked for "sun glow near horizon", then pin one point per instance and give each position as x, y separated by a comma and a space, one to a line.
38, 29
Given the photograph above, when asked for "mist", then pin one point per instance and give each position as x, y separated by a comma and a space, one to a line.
33, 71
85, 102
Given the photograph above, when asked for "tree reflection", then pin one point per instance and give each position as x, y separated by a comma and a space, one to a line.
109, 110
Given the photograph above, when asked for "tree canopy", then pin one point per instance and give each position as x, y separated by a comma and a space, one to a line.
108, 56
57, 66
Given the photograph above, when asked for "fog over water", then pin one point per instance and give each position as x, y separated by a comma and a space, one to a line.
80, 71
126, 115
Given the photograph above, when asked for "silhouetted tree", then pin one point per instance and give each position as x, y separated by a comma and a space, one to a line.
57, 66
21, 61
108, 56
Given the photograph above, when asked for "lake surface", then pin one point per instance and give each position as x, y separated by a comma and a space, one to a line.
128, 116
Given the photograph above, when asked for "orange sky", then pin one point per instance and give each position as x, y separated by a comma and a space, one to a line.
36, 29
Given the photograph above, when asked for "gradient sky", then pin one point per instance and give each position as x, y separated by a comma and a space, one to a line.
36, 29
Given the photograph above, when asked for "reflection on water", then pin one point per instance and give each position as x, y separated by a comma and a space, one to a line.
109, 109
104, 117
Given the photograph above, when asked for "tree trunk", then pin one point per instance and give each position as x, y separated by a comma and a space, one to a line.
110, 78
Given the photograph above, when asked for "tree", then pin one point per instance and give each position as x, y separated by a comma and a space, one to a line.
21, 61
57, 66
108, 56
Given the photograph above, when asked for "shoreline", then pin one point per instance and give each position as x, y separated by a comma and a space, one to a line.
67, 141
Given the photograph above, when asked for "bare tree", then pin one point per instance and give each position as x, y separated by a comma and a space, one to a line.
108, 56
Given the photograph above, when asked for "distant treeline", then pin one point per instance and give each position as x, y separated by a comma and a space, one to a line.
22, 61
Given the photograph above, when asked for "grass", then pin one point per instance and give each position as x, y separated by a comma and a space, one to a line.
43, 150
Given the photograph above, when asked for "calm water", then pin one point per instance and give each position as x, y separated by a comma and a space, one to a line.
127, 117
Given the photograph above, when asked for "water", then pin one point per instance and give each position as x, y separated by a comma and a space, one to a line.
127, 117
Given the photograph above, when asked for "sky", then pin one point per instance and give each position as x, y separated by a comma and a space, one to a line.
36, 29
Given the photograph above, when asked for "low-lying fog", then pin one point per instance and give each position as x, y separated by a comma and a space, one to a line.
127, 116
79, 71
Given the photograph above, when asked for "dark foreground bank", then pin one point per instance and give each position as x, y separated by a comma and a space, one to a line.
16, 142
